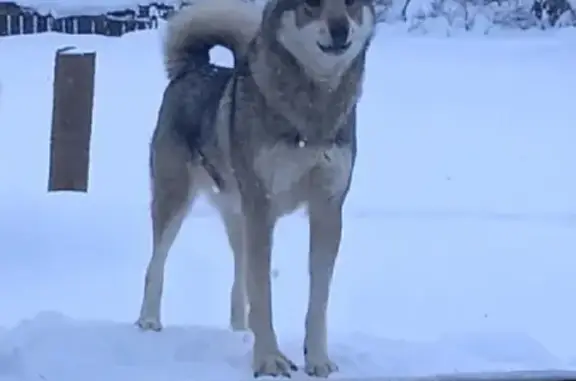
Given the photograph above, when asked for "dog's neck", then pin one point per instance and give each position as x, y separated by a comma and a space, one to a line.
313, 106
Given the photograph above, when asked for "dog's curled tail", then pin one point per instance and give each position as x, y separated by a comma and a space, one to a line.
205, 24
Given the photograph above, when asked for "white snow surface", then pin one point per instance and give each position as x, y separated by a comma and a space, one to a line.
459, 241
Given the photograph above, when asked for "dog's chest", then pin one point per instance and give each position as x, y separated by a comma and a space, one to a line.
293, 172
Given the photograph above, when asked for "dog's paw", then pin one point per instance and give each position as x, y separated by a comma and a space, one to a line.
149, 324
320, 368
273, 363
318, 365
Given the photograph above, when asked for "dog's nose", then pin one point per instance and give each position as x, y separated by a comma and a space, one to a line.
339, 30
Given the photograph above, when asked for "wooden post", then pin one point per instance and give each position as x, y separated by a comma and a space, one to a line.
71, 120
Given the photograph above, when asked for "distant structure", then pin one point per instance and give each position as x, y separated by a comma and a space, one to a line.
18, 20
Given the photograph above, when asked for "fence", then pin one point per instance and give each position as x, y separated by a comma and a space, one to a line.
17, 20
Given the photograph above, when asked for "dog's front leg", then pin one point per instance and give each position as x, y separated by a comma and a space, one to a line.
258, 228
325, 234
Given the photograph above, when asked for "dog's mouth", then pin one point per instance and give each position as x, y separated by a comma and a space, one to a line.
333, 49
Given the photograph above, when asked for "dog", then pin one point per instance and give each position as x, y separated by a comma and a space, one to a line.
274, 133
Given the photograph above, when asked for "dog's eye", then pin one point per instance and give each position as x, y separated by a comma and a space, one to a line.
313, 3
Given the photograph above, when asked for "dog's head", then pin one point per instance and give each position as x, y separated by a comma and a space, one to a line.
324, 36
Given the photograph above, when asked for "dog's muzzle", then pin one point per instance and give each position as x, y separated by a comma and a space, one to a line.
339, 32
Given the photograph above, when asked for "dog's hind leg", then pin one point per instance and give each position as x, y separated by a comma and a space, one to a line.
172, 193
238, 297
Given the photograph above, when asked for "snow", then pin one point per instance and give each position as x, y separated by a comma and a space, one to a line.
458, 249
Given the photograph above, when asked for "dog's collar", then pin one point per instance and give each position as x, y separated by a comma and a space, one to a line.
295, 139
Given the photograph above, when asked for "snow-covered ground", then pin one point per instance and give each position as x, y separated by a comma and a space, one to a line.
460, 230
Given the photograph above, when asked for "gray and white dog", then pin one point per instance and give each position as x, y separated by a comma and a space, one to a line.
275, 133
